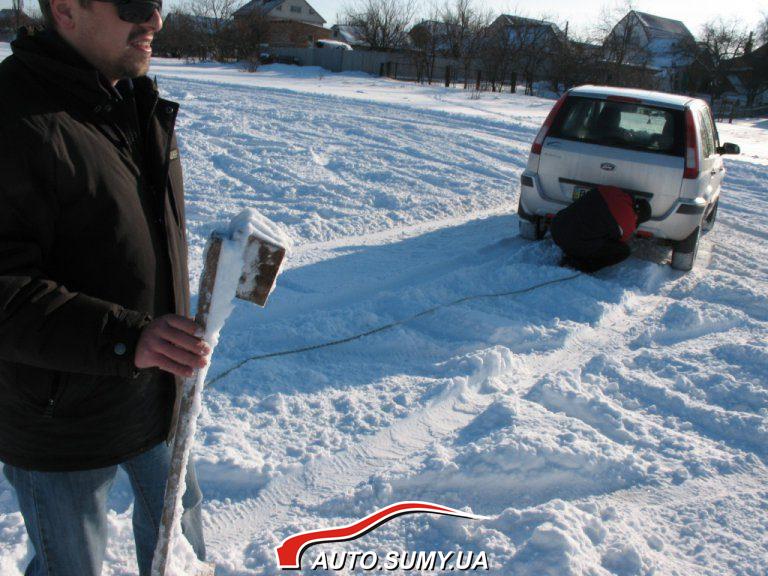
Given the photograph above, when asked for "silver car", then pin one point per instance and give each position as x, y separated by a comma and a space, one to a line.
658, 146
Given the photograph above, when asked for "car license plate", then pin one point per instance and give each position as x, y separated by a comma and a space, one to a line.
579, 191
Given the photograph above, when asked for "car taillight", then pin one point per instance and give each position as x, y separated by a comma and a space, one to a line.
691, 148
539, 141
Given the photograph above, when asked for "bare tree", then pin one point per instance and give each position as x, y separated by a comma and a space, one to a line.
577, 61
535, 49
183, 36
250, 32
762, 29
18, 9
754, 76
720, 42
464, 25
517, 45
214, 19
35, 17
428, 41
383, 24
625, 47
496, 54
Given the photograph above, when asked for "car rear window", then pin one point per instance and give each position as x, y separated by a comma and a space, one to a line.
620, 125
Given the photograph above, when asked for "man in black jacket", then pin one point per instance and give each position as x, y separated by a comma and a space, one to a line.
94, 297
595, 230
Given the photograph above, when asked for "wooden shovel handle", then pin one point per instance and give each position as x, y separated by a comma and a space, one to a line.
182, 439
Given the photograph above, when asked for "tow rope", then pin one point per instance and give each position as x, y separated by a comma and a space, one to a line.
331, 343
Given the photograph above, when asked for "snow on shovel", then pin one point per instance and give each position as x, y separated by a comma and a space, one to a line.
241, 262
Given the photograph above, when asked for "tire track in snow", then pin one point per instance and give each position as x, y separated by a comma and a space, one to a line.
283, 500
328, 477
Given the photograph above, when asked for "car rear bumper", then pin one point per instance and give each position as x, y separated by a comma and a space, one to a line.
675, 224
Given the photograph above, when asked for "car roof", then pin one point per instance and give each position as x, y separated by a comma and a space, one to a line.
646, 96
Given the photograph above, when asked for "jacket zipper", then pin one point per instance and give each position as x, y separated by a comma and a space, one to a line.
54, 396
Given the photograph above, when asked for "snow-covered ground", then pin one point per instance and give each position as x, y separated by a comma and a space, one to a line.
608, 424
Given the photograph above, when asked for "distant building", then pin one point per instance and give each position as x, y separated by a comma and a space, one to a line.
533, 46
432, 33
661, 45
292, 23
522, 32
747, 76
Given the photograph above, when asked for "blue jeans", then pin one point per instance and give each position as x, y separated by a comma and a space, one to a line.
65, 513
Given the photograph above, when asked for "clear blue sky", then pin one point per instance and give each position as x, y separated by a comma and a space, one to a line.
581, 15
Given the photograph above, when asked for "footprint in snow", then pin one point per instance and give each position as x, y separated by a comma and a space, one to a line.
319, 158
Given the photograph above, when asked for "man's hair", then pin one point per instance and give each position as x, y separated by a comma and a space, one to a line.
45, 8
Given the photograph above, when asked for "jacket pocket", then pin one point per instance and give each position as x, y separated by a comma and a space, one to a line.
31, 388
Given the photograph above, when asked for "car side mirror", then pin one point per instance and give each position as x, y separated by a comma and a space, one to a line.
729, 148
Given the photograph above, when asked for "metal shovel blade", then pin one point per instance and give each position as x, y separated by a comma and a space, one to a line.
262, 261
261, 265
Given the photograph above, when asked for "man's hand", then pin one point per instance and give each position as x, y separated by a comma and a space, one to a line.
171, 343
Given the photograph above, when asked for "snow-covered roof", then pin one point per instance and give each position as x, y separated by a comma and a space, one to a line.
646, 96
337, 44
349, 34
520, 22
267, 6
658, 26
749, 61
433, 26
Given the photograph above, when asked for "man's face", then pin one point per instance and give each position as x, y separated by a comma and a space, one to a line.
116, 48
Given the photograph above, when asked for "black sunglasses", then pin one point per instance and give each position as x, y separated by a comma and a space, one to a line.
136, 11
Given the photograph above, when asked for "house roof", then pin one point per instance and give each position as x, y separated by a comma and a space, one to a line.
660, 26
433, 26
746, 61
267, 6
520, 21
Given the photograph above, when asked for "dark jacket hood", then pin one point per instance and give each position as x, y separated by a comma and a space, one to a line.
57, 63
54, 61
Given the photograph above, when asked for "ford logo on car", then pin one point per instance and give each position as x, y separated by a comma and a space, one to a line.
608, 166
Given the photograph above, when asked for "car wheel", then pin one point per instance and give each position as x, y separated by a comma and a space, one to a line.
709, 221
533, 229
684, 252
